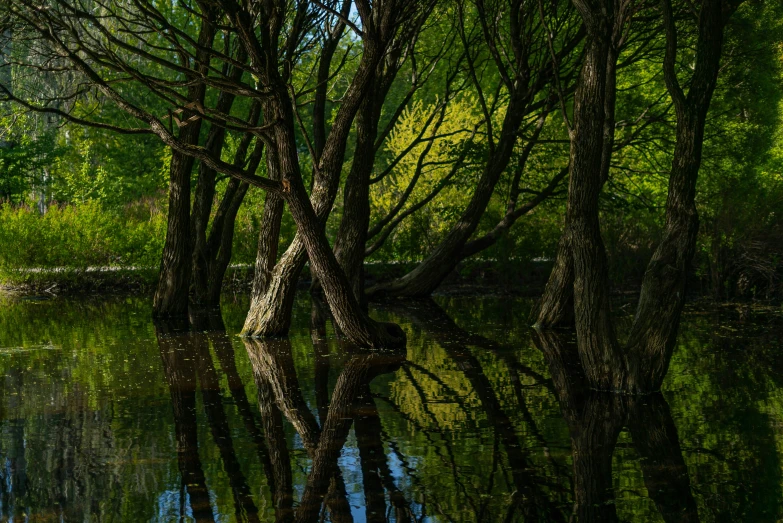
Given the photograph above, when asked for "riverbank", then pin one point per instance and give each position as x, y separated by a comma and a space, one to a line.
470, 278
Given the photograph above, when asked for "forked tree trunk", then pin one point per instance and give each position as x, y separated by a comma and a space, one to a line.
662, 297
270, 311
171, 294
642, 366
556, 309
205, 194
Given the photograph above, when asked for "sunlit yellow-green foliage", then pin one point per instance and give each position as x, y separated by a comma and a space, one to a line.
455, 132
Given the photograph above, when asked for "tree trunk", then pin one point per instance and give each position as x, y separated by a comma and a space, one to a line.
205, 194
270, 313
220, 248
171, 294
662, 297
642, 366
580, 275
352, 234
556, 309
429, 274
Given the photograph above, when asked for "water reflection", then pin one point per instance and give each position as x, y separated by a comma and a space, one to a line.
594, 421
187, 422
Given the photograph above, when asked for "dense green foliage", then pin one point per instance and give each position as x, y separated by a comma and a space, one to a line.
100, 197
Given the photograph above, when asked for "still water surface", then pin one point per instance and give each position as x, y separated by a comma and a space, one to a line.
108, 417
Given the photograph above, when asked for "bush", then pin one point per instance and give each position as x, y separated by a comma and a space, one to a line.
79, 236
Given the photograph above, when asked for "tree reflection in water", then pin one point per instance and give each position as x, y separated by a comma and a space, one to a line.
194, 423
594, 421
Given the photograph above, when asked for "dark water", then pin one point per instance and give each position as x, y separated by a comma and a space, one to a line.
106, 417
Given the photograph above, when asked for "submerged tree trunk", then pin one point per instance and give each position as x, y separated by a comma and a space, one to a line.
270, 313
643, 363
598, 347
171, 294
205, 193
662, 297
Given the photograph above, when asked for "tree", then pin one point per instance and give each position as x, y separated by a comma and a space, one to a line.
101, 42
522, 78
579, 281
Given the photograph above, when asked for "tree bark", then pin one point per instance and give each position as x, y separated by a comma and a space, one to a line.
352, 234
662, 297
556, 309
171, 294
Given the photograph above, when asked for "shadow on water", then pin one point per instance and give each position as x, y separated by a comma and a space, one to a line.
191, 423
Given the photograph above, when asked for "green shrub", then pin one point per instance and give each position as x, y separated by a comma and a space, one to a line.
80, 235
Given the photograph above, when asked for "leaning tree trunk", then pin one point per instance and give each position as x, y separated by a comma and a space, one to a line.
273, 295
171, 294
429, 274
353, 322
274, 283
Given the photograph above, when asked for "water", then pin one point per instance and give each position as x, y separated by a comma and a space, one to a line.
106, 417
